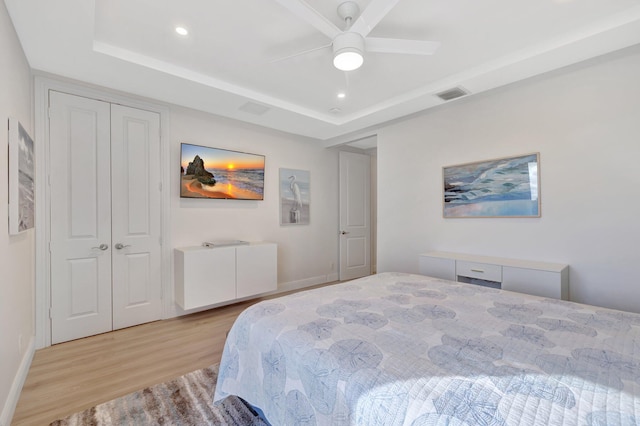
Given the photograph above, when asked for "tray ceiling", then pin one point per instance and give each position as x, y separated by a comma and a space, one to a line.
231, 63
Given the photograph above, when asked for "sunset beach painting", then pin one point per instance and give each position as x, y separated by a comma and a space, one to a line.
220, 173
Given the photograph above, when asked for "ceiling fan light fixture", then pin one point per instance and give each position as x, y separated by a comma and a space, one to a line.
348, 51
348, 59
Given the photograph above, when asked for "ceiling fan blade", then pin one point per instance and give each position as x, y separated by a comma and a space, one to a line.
373, 14
304, 52
305, 12
393, 45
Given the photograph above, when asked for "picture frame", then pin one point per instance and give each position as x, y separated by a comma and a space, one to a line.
295, 197
216, 173
21, 179
502, 187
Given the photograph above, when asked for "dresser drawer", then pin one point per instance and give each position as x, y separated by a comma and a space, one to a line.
483, 271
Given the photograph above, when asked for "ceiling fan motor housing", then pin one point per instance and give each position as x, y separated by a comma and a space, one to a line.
349, 41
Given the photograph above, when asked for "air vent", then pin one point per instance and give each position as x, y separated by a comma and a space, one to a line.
253, 108
456, 92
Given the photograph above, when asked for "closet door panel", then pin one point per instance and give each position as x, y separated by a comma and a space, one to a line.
80, 235
136, 207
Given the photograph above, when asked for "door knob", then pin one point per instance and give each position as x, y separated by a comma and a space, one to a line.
344, 232
102, 247
120, 246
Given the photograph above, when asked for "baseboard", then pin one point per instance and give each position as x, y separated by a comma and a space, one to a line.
14, 393
307, 282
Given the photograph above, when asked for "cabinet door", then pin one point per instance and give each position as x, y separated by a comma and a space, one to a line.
530, 281
257, 269
438, 267
209, 276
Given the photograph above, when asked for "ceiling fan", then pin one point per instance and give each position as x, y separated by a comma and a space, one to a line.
349, 45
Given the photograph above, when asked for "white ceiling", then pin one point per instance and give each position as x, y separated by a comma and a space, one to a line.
229, 57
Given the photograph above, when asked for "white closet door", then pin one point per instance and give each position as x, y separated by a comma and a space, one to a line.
136, 204
80, 240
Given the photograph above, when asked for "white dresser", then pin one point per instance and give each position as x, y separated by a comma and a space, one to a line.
524, 276
210, 275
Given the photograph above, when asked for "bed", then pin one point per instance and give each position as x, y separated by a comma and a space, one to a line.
401, 349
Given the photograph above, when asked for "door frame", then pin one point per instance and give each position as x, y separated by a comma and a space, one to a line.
42, 85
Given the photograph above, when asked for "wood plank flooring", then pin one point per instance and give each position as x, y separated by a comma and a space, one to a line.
76, 375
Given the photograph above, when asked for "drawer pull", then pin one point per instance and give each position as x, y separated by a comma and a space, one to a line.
478, 270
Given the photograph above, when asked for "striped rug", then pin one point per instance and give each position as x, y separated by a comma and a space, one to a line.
187, 400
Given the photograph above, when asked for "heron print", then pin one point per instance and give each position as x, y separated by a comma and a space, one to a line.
294, 197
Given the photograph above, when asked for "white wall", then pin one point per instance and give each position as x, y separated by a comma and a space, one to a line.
307, 254
584, 121
16, 252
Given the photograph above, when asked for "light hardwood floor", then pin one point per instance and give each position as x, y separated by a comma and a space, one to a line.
73, 376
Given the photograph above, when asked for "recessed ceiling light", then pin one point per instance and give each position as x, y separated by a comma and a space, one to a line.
182, 31
342, 95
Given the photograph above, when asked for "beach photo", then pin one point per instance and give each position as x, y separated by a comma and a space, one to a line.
220, 173
21, 179
505, 187
295, 197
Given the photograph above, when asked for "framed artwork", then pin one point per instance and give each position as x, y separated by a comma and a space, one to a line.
217, 173
295, 198
21, 179
504, 187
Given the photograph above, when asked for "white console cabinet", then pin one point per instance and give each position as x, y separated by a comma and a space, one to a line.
537, 278
210, 275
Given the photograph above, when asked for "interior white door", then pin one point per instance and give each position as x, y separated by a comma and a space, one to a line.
355, 216
80, 238
135, 212
105, 221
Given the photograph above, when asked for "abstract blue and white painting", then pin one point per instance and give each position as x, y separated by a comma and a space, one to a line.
505, 187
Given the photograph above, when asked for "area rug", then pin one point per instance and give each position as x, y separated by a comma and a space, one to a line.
187, 400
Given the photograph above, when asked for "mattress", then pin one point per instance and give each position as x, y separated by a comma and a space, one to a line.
400, 349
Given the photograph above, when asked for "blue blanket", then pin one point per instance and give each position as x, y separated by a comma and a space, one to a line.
399, 349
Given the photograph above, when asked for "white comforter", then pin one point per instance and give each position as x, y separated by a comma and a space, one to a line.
398, 349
